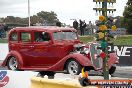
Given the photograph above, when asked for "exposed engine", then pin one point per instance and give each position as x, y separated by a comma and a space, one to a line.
81, 48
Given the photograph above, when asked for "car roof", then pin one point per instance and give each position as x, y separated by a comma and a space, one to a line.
43, 28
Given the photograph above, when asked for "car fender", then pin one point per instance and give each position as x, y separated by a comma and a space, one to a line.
83, 60
15, 54
113, 59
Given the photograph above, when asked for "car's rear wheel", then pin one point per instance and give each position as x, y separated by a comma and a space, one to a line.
50, 74
12, 63
73, 67
112, 70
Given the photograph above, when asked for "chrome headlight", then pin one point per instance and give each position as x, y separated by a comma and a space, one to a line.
86, 50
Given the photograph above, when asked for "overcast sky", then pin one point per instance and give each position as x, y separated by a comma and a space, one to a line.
65, 9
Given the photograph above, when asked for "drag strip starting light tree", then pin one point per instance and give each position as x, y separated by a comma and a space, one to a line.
103, 35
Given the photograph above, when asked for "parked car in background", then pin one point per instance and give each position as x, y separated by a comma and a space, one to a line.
52, 49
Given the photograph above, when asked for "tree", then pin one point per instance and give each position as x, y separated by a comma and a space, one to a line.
9, 19
14, 20
49, 17
1, 20
122, 24
128, 16
35, 19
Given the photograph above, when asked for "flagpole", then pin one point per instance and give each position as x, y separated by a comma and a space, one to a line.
29, 13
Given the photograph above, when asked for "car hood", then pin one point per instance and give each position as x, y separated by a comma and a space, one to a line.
67, 44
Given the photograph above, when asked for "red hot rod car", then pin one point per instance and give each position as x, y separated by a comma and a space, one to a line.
52, 49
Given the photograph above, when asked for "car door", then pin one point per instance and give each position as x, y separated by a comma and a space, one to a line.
61, 47
42, 49
13, 41
26, 47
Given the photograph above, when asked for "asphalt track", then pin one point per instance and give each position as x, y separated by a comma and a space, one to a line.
120, 73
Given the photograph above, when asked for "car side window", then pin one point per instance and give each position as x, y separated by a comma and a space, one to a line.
14, 36
42, 36
25, 37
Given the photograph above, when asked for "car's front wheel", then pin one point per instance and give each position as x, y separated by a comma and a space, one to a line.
12, 63
73, 67
112, 70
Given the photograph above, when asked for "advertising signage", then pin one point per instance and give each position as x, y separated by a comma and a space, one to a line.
124, 53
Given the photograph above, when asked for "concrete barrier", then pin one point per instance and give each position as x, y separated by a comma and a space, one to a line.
37, 82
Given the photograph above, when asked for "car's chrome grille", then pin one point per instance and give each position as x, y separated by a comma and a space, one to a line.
97, 61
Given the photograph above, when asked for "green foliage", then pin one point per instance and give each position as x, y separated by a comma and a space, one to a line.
3, 40
128, 16
49, 17
86, 39
122, 24
12, 19
121, 40
35, 19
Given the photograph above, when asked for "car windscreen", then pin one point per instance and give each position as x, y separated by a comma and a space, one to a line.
64, 35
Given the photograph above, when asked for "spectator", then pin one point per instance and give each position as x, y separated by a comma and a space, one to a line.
2, 31
81, 27
90, 28
75, 24
5, 27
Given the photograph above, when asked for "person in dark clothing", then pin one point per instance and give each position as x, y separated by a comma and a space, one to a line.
81, 27
75, 24
2, 31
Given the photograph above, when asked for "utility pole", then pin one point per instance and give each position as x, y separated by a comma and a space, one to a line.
29, 13
104, 9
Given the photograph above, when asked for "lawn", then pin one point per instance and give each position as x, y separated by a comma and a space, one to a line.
86, 39
124, 40
3, 40
121, 40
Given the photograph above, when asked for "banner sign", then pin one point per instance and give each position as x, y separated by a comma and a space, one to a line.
124, 53
4, 79
113, 83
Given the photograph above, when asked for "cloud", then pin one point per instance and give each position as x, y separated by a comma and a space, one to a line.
9, 3
65, 9
11, 7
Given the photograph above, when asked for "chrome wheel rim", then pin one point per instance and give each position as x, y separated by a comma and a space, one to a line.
73, 67
13, 63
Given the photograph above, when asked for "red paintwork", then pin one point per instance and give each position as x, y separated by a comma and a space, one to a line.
54, 54
113, 59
